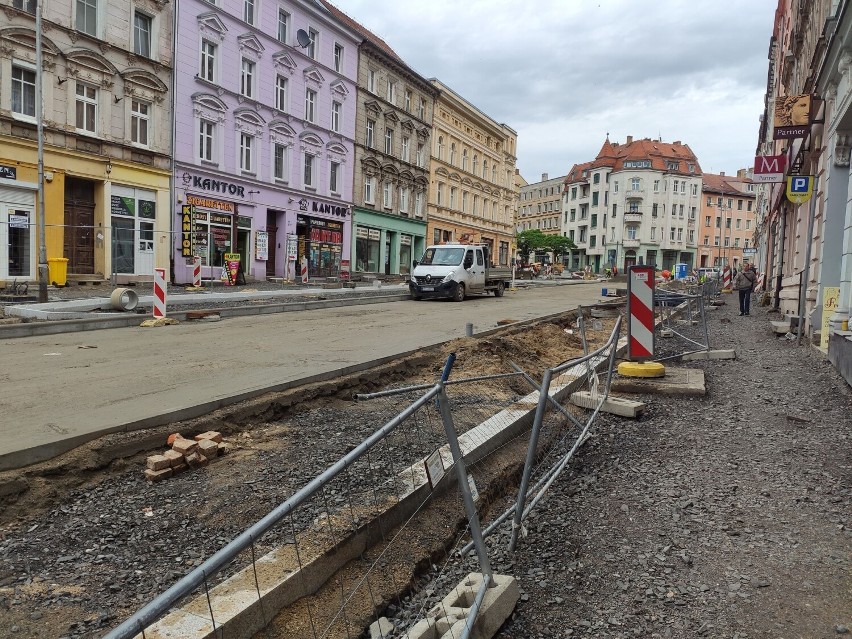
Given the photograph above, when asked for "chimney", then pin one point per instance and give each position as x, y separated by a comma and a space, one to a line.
544, 177
722, 173
629, 139
676, 142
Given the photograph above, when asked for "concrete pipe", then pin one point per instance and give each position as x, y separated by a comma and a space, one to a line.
124, 299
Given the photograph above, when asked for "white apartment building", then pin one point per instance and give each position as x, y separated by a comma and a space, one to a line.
635, 203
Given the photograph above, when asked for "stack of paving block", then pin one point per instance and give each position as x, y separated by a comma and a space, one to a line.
185, 454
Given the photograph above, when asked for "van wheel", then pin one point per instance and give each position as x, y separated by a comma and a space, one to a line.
458, 296
501, 288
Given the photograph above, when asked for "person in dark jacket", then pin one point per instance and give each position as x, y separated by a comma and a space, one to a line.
744, 283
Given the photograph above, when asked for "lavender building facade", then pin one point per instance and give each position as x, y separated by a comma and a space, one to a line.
264, 138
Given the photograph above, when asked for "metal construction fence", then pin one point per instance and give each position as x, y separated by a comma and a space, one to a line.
134, 247
284, 572
349, 544
682, 313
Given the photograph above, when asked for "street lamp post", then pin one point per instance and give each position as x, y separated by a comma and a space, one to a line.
39, 96
721, 207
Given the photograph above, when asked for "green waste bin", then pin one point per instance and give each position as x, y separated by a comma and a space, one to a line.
58, 270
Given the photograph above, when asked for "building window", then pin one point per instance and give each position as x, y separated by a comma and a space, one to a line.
309, 170
596, 179
672, 234
634, 184
25, 5
310, 104
453, 191
749, 203
246, 153
439, 196
706, 241
464, 160
408, 101
418, 204
335, 116
247, 78
386, 195
281, 93
140, 115
371, 81
312, 45
87, 17
680, 235
141, 34
338, 57
87, 108
653, 232
283, 25
406, 147
440, 147
389, 141
391, 91
279, 162
420, 155
370, 138
23, 91
248, 11
334, 177
369, 190
403, 200
208, 61
464, 202
206, 140
421, 109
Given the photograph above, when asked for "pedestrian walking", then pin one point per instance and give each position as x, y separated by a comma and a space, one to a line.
744, 284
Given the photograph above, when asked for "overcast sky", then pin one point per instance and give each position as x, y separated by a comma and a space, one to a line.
564, 73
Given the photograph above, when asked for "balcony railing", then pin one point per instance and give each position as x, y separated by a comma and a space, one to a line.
634, 193
631, 243
633, 217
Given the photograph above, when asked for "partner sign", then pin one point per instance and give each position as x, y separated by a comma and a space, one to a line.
769, 168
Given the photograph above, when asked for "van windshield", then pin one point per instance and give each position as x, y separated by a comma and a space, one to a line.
442, 256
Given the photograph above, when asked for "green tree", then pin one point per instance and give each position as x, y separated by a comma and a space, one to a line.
534, 240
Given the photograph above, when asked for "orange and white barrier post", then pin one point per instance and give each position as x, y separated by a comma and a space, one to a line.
304, 269
159, 293
196, 271
726, 278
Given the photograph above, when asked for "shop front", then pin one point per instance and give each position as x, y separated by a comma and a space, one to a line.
17, 226
385, 244
210, 229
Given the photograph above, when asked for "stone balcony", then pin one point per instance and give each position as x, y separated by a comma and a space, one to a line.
630, 244
634, 218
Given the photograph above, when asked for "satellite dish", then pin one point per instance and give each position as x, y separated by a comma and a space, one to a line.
303, 38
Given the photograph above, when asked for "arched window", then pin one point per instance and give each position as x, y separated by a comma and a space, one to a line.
440, 147
453, 153
464, 159
484, 169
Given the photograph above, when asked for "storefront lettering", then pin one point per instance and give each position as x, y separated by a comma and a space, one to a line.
219, 186
186, 230
330, 209
208, 203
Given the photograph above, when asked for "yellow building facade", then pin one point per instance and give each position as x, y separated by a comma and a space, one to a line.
106, 113
473, 194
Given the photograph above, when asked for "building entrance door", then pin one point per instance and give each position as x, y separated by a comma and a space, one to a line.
272, 243
79, 233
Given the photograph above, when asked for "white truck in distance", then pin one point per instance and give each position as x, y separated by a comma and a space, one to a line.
455, 271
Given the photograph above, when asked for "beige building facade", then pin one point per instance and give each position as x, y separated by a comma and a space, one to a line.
473, 193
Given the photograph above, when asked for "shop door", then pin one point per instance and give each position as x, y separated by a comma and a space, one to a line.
79, 231
123, 242
243, 236
16, 243
629, 260
387, 254
145, 249
272, 243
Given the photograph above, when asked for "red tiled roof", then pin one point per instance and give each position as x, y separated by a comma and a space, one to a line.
614, 155
576, 173
726, 185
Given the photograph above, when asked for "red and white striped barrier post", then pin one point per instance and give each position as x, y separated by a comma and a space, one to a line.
759, 285
159, 293
640, 324
726, 278
196, 271
304, 269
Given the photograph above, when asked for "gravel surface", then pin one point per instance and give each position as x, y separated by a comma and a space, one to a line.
724, 516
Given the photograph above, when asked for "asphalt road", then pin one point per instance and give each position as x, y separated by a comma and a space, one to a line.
59, 391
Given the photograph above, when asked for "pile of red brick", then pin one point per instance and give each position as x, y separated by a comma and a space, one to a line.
185, 454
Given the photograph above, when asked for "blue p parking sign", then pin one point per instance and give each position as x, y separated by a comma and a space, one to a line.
800, 188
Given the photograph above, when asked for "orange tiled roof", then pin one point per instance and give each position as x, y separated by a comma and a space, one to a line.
576, 173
